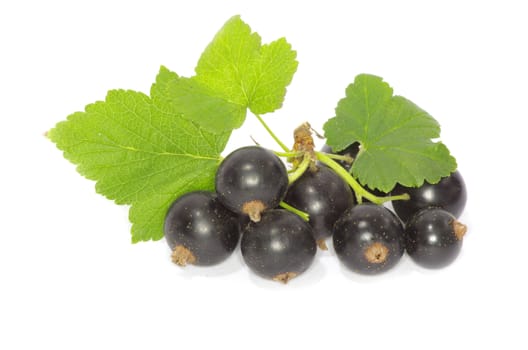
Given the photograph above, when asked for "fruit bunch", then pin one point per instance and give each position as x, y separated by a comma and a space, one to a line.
284, 215
161, 154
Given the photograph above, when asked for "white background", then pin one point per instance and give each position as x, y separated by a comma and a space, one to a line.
71, 279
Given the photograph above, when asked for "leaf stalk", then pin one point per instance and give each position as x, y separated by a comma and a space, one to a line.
272, 134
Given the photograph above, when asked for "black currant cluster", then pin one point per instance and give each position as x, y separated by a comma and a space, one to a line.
204, 228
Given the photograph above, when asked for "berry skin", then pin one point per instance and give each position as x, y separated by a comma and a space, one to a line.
369, 239
279, 247
251, 180
324, 196
449, 193
199, 230
434, 238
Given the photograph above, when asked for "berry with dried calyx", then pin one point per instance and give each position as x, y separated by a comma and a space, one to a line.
199, 230
250, 180
434, 237
369, 239
279, 247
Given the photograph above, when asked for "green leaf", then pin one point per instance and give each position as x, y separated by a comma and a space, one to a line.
159, 90
141, 153
234, 73
237, 68
394, 133
276, 67
195, 102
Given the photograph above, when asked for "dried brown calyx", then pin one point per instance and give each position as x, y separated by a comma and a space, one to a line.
254, 209
321, 243
460, 229
376, 253
304, 143
182, 256
285, 277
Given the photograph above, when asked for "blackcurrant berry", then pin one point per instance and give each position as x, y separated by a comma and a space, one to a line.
200, 230
434, 237
280, 246
350, 151
449, 193
251, 180
369, 239
324, 196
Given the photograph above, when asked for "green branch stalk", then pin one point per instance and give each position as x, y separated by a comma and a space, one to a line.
327, 159
347, 159
358, 189
301, 213
297, 172
288, 154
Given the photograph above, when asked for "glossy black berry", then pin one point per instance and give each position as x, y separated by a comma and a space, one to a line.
251, 180
200, 230
369, 239
449, 193
434, 238
279, 247
324, 196
350, 151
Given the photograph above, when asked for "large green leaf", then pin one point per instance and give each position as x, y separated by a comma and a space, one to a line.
140, 152
396, 137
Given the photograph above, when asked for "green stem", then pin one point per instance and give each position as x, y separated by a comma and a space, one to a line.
358, 189
288, 154
301, 213
272, 134
297, 173
400, 197
347, 159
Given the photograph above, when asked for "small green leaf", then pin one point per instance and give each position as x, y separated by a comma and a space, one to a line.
141, 153
164, 77
395, 137
198, 103
195, 102
239, 69
234, 73
227, 64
